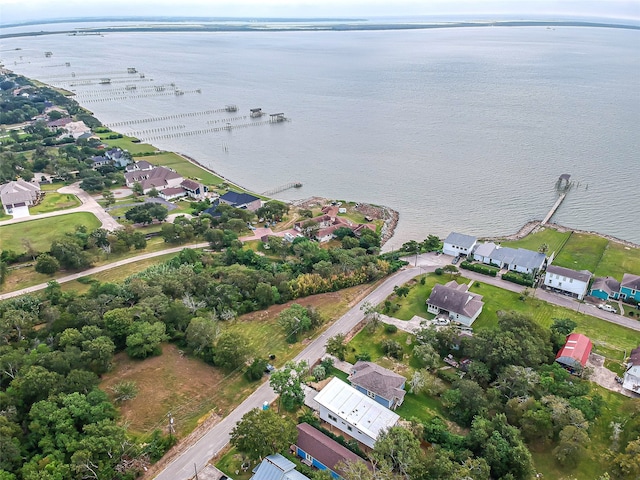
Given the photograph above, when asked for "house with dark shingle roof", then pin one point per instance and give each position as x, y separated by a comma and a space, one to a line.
241, 200
319, 451
277, 467
458, 244
384, 386
194, 189
630, 287
605, 288
456, 302
17, 196
568, 281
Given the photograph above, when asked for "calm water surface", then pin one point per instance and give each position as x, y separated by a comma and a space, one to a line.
461, 129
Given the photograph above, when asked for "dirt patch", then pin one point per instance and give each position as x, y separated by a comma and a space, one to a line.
170, 382
605, 377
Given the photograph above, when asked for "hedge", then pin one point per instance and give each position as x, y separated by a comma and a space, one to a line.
480, 268
517, 278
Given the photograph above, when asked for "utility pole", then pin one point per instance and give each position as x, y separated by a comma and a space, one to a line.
195, 469
171, 427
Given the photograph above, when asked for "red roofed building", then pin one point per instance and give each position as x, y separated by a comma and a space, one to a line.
575, 353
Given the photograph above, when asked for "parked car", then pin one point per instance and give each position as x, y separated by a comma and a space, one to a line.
269, 368
455, 259
442, 321
607, 308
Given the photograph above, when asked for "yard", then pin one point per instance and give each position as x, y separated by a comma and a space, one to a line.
582, 252
53, 201
183, 167
41, 232
553, 239
127, 143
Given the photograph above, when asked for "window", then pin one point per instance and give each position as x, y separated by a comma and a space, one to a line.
571, 280
349, 428
331, 417
371, 394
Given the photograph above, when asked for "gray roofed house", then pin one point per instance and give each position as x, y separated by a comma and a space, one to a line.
519, 260
605, 288
142, 165
18, 195
158, 178
277, 467
241, 200
459, 244
631, 379
567, 281
384, 386
630, 287
482, 251
456, 301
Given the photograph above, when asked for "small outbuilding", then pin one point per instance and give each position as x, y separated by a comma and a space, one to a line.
574, 354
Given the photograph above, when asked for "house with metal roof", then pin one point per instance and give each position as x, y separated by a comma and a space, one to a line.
277, 467
241, 200
631, 379
605, 288
630, 287
574, 354
565, 280
455, 301
319, 451
17, 196
353, 413
384, 386
458, 244
518, 260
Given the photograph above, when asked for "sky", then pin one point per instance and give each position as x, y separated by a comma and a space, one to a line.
28, 10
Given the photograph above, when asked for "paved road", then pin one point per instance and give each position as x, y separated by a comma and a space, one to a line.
102, 268
217, 437
88, 205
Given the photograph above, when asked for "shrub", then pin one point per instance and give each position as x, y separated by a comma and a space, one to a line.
364, 357
479, 268
518, 278
47, 264
255, 370
438, 271
319, 373
448, 375
390, 328
392, 349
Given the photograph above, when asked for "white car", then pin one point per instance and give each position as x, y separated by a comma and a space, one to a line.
607, 308
442, 321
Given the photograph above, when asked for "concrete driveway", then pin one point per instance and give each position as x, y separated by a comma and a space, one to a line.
88, 205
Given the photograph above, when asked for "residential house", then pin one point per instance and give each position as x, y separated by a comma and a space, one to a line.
241, 200
194, 189
75, 129
575, 352
458, 244
518, 260
569, 281
277, 467
456, 302
384, 386
605, 288
141, 166
158, 178
630, 287
631, 379
121, 158
353, 413
319, 451
60, 123
329, 222
17, 196
172, 193
98, 161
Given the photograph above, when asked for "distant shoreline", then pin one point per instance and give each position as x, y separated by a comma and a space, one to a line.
319, 25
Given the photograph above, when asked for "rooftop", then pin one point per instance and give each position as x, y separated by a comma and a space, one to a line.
575, 351
373, 377
322, 448
461, 240
455, 298
630, 281
362, 412
582, 275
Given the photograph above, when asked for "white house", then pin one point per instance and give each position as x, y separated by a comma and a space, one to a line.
360, 417
567, 280
158, 178
518, 260
458, 244
631, 380
456, 302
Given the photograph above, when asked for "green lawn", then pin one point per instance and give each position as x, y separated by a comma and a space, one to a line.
183, 167
53, 201
617, 260
582, 252
552, 238
127, 143
41, 232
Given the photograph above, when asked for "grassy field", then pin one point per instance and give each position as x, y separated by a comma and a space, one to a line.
183, 167
41, 232
53, 201
583, 251
127, 143
552, 238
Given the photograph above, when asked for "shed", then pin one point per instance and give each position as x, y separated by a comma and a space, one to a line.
575, 352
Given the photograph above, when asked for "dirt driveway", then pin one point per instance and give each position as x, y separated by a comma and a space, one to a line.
605, 377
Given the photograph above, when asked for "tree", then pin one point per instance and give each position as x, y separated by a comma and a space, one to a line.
231, 350
47, 264
92, 184
392, 348
337, 346
201, 335
146, 212
137, 189
263, 432
153, 193
572, 445
294, 321
371, 316
287, 382
464, 401
125, 390
273, 210
108, 197
256, 370
400, 448
70, 254
431, 243
627, 463
145, 339
426, 355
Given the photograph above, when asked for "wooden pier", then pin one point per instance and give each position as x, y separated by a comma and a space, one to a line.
554, 208
282, 188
